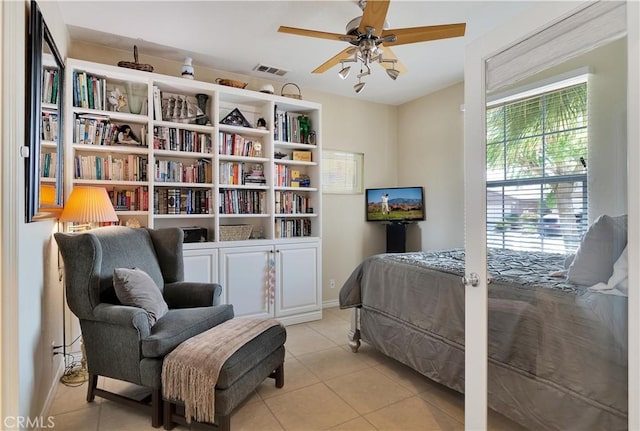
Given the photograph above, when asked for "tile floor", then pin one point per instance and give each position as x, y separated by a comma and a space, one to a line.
327, 387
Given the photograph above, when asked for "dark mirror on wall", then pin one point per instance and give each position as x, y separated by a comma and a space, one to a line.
44, 115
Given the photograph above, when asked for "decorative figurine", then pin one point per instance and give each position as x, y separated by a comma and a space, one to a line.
304, 123
117, 100
187, 68
126, 136
262, 124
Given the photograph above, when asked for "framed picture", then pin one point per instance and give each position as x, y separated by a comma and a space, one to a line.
342, 172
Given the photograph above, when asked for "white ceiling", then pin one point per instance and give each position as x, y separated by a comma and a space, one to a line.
237, 35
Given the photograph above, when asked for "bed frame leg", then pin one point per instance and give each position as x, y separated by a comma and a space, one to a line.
354, 332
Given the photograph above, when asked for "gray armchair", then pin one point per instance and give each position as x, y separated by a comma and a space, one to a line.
119, 341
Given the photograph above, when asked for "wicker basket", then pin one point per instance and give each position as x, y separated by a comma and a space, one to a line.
291, 95
235, 232
136, 65
231, 83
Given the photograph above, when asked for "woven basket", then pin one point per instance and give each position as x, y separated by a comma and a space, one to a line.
231, 83
136, 65
235, 232
291, 95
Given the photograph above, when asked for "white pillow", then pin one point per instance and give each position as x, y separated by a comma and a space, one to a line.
618, 283
600, 248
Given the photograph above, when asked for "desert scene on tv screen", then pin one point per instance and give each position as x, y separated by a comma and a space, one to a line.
394, 204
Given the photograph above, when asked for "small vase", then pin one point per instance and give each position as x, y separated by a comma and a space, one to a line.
187, 68
202, 104
136, 94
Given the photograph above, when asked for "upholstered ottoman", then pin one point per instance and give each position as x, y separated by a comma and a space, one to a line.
241, 373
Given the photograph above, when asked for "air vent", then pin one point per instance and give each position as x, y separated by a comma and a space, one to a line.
270, 69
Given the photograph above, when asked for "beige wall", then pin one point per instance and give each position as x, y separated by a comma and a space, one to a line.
430, 154
347, 124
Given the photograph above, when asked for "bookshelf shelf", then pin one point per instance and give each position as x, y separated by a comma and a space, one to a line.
182, 154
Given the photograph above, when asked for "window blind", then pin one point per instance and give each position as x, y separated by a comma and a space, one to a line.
537, 159
596, 25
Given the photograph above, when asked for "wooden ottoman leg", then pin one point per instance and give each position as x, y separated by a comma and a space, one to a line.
224, 422
169, 410
279, 375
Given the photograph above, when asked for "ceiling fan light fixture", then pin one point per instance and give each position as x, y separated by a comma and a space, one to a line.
358, 87
344, 72
393, 73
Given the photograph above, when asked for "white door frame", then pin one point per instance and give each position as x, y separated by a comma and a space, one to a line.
532, 21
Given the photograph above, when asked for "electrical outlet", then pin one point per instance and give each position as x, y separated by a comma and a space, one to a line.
332, 283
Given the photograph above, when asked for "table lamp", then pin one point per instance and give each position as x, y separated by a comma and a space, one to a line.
86, 205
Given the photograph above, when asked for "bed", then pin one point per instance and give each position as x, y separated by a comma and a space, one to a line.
557, 349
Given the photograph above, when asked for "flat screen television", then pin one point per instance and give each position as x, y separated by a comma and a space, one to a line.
395, 204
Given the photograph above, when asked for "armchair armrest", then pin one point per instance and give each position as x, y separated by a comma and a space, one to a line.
123, 315
185, 294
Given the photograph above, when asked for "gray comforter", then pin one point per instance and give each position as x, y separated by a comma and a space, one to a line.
557, 352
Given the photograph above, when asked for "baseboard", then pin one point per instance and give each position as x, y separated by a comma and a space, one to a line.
53, 390
300, 318
332, 303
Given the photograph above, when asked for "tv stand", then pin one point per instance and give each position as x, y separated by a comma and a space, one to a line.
396, 237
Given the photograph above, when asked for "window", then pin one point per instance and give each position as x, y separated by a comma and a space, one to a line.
537, 170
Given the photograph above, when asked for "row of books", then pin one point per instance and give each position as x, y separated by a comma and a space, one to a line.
291, 203
136, 199
291, 127
243, 202
109, 167
287, 177
199, 171
92, 130
89, 91
48, 165
49, 126
50, 82
233, 144
181, 201
289, 228
174, 139
234, 173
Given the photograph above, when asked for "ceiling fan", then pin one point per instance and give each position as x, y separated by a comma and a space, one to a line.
370, 41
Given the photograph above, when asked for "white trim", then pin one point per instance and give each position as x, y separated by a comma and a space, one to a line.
574, 77
332, 303
13, 42
633, 202
53, 390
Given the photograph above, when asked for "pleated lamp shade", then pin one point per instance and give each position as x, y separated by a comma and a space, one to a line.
47, 194
88, 205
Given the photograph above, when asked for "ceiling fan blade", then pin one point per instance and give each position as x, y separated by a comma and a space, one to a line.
374, 15
314, 33
342, 55
423, 34
387, 54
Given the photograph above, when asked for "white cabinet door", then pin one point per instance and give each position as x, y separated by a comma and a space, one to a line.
298, 280
200, 265
244, 276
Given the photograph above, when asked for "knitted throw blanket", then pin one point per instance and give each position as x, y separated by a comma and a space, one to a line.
191, 370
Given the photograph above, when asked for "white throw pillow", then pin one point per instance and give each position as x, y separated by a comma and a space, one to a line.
620, 278
136, 288
600, 248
